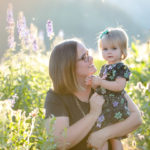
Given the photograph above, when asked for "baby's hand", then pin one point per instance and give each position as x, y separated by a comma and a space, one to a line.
88, 80
96, 81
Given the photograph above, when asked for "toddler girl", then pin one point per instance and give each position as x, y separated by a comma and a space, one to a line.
111, 81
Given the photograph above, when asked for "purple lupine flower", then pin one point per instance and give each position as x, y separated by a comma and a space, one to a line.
115, 104
10, 17
11, 42
33, 37
21, 26
23, 31
10, 27
27, 38
49, 28
35, 45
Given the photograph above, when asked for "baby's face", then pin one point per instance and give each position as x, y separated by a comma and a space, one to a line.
111, 53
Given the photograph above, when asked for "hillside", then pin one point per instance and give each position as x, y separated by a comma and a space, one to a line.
83, 20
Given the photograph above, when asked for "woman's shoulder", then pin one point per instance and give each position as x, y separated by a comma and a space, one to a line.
53, 97
54, 104
51, 93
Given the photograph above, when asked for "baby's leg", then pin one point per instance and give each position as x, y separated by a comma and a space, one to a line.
105, 147
116, 144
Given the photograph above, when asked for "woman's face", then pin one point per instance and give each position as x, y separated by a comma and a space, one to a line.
85, 66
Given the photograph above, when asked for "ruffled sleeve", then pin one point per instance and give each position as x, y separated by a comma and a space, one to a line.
123, 71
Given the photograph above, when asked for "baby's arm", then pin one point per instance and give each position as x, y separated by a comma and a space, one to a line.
88, 81
116, 86
122, 75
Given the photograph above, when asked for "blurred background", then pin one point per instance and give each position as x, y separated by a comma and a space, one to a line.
26, 38
80, 18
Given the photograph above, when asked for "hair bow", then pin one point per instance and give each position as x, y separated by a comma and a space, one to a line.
103, 33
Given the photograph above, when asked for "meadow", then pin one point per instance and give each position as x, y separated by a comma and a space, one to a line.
24, 81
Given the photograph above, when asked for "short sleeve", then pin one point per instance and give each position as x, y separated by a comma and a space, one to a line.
123, 71
54, 105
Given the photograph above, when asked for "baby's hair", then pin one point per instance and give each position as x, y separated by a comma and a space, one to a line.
115, 36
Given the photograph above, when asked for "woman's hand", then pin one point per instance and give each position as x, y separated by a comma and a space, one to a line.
93, 80
96, 140
88, 80
96, 103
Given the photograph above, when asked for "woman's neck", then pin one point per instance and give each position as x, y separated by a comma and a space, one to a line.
83, 94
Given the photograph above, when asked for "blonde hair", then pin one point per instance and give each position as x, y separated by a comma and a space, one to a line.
62, 67
115, 36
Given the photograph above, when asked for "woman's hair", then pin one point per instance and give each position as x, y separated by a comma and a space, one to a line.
62, 67
113, 37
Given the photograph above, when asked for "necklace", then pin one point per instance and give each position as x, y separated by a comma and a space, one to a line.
79, 106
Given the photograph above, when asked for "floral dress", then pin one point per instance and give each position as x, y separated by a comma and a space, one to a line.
115, 107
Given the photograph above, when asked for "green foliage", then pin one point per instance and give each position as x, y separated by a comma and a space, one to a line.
139, 89
27, 76
24, 81
98, 64
21, 131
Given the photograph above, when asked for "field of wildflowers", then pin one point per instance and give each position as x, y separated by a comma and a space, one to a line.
24, 82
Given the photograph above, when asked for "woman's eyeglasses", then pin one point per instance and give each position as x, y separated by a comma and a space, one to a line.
85, 57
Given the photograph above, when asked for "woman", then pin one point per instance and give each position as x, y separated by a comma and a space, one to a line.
73, 103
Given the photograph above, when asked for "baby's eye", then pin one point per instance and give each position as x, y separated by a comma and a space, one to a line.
114, 48
104, 49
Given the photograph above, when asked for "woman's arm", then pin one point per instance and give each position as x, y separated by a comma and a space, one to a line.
74, 134
118, 129
77, 131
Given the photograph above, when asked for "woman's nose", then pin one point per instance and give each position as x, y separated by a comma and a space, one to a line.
90, 59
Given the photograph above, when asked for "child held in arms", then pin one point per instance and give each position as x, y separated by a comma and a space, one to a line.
113, 44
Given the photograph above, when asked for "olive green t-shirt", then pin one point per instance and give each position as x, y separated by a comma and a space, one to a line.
65, 105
